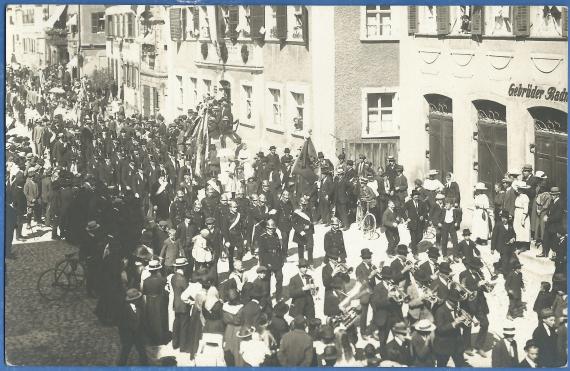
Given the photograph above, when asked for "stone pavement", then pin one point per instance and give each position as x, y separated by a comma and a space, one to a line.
68, 333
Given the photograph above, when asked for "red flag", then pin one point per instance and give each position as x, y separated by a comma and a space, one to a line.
303, 163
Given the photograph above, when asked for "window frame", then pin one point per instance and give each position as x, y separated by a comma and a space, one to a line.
394, 24
180, 89
488, 17
395, 112
454, 16
244, 25
243, 104
206, 85
195, 91
269, 101
291, 108
557, 30
270, 23
96, 22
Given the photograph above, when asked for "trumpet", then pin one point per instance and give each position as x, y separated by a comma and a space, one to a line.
463, 292
468, 319
343, 268
413, 266
428, 295
314, 289
398, 294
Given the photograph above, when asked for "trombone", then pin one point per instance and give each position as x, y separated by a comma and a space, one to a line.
464, 292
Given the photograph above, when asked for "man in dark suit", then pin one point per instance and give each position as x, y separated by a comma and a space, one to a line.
325, 195
546, 338
398, 350
451, 221
252, 308
131, 328
301, 287
366, 275
270, 255
531, 356
386, 309
505, 352
283, 216
179, 283
333, 280
391, 228
430, 267
334, 239
466, 248
361, 166
304, 230
554, 223
233, 230
342, 196
272, 159
448, 342
416, 214
509, 197
296, 348
502, 240
437, 215
400, 267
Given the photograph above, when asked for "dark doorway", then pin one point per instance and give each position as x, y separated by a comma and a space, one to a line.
440, 130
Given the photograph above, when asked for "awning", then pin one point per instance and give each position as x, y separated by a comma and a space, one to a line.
72, 20
120, 9
56, 12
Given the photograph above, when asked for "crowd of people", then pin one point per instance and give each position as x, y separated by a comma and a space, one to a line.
154, 221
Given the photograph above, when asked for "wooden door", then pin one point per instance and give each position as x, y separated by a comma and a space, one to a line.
441, 144
146, 101
550, 156
492, 154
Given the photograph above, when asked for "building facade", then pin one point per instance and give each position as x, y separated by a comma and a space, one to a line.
86, 39
485, 91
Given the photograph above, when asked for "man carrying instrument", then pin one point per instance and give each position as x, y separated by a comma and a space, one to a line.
440, 285
366, 275
334, 240
473, 281
270, 255
386, 303
301, 290
448, 342
430, 266
335, 276
401, 266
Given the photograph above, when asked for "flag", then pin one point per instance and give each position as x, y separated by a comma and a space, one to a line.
303, 163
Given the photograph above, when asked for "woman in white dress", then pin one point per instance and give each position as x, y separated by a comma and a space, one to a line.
521, 220
481, 222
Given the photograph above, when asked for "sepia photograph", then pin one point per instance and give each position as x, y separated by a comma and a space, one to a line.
286, 185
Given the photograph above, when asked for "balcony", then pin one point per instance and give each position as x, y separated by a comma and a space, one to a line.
56, 36
244, 55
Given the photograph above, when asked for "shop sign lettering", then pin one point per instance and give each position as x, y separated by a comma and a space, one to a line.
535, 92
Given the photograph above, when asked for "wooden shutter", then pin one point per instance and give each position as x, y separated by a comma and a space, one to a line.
412, 20
131, 18
521, 20
477, 20
442, 17
175, 29
257, 20
281, 20
108, 26
220, 23
564, 22
183, 23
233, 22
196, 18
94, 22
305, 18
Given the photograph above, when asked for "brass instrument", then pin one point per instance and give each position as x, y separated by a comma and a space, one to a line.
489, 285
468, 319
493, 275
427, 294
355, 293
463, 292
350, 313
343, 268
314, 289
397, 294
347, 319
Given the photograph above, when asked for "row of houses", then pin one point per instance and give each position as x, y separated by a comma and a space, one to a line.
473, 90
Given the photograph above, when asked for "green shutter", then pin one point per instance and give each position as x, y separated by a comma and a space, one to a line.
233, 22
412, 20
175, 29
257, 20
442, 17
477, 20
521, 20
281, 20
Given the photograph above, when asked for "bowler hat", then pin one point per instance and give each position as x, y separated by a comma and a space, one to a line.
400, 328
365, 253
445, 268
554, 191
466, 232
546, 313
433, 252
92, 226
415, 192
402, 250
272, 148
527, 167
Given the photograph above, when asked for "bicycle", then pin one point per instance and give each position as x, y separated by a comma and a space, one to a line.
67, 275
366, 221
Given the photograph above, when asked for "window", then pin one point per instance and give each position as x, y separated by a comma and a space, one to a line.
204, 27
11, 20
207, 87
130, 25
247, 103
271, 22
180, 101
135, 72
275, 107
194, 88
97, 22
224, 19
546, 21
498, 21
378, 21
243, 26
461, 19
427, 20
298, 108
28, 16
295, 22
379, 113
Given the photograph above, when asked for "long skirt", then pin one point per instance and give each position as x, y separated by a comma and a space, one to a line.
480, 224
156, 319
521, 225
191, 340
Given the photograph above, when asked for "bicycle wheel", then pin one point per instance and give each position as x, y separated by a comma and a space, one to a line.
73, 271
369, 227
359, 217
50, 285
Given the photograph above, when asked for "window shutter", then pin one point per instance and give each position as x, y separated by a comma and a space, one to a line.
196, 18
477, 20
183, 23
305, 18
233, 22
442, 17
521, 20
281, 20
412, 20
564, 21
94, 22
220, 27
131, 25
257, 20
175, 17
108, 26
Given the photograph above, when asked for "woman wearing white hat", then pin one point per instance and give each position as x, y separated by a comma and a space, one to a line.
521, 219
540, 207
481, 222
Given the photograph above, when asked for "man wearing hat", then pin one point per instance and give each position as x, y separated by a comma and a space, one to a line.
286, 158
233, 230
325, 193
155, 310
466, 248
361, 166
131, 328
386, 311
32, 193
429, 267
437, 216
366, 275
342, 196
391, 172
171, 249
440, 285
269, 247
505, 353
448, 342
398, 350
301, 289
472, 279
509, 197
421, 344
334, 240
296, 348
514, 285
400, 266
178, 282
333, 278
400, 187
531, 357
502, 241
554, 226
546, 338
272, 159
304, 229
416, 214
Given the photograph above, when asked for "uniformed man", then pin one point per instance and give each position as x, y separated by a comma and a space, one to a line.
304, 230
334, 279
269, 247
334, 239
283, 217
234, 234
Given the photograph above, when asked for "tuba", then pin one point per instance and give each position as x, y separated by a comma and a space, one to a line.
350, 314
354, 294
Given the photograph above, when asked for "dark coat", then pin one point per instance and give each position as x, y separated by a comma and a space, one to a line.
547, 345
467, 250
421, 351
397, 353
334, 240
500, 355
179, 284
296, 349
514, 284
500, 237
414, 215
284, 215
342, 190
383, 307
302, 222
447, 339
332, 284
269, 251
131, 324
300, 298
362, 273
471, 282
